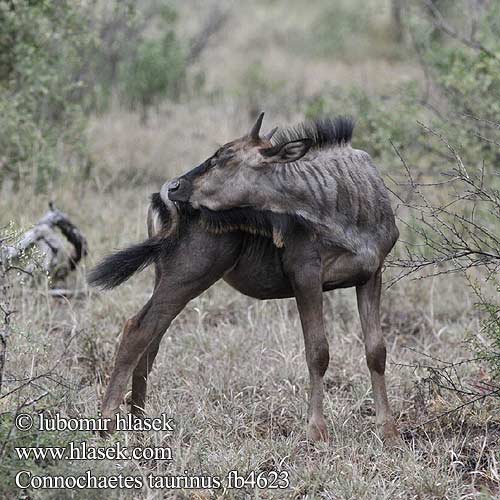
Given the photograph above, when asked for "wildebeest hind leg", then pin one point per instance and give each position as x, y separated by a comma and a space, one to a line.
179, 283
144, 366
368, 296
138, 334
140, 377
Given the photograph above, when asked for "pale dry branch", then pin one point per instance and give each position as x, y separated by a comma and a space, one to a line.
56, 260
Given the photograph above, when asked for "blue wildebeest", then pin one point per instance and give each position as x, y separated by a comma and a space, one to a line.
290, 214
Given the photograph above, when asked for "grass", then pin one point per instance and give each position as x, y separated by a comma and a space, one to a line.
231, 372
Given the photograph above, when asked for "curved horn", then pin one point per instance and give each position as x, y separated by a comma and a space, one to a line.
270, 134
254, 133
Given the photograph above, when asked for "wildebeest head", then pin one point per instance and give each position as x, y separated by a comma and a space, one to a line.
227, 179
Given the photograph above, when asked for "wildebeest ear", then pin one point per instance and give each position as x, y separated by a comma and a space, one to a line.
288, 152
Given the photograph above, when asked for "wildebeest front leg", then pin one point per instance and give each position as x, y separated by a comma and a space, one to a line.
306, 282
310, 304
369, 311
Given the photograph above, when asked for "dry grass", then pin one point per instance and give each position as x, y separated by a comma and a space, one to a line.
231, 371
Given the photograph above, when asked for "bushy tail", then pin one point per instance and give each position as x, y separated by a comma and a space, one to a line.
118, 267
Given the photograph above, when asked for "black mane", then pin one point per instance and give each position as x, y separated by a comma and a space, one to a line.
325, 132
274, 225
277, 226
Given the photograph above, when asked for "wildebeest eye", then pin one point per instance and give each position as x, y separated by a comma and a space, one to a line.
222, 157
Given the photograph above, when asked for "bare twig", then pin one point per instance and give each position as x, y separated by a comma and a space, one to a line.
457, 408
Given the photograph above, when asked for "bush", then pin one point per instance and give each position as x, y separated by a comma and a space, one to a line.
488, 348
464, 69
42, 123
156, 71
379, 119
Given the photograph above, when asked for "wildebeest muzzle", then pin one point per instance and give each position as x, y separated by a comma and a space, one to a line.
179, 190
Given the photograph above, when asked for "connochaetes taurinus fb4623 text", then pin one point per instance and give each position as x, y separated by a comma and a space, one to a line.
290, 214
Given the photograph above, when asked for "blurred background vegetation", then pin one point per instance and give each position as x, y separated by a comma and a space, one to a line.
63, 62
101, 101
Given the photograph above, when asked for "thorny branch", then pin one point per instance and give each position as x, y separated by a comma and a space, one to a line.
454, 234
457, 408
443, 375
451, 223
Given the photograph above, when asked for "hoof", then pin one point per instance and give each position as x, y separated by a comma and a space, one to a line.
111, 427
105, 434
137, 411
317, 431
390, 434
